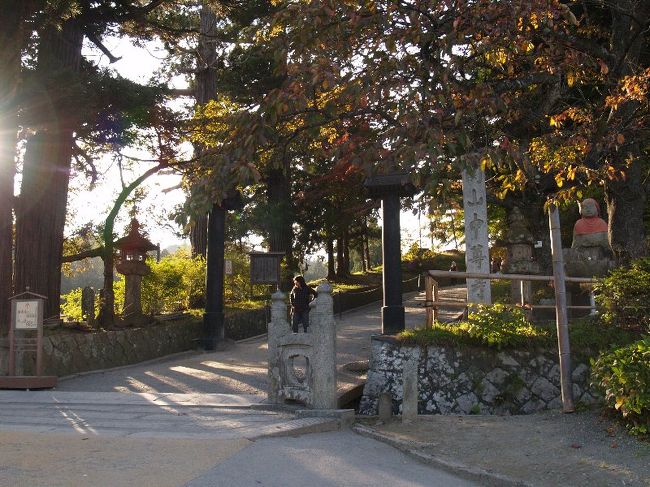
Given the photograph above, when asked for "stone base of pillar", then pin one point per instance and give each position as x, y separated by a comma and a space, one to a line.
392, 318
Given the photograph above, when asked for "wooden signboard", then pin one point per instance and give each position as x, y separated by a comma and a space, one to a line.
26, 318
265, 267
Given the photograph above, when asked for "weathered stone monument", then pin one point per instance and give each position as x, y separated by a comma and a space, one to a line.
88, 305
519, 259
131, 262
477, 255
302, 366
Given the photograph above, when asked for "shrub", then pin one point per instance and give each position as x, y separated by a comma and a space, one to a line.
495, 326
173, 283
623, 376
71, 305
499, 325
623, 296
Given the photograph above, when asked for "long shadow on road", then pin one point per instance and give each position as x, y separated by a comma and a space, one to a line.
242, 369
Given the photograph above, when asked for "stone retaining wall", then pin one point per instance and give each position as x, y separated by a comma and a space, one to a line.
67, 353
470, 380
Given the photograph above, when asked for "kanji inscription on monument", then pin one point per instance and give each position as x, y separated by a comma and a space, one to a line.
477, 257
27, 315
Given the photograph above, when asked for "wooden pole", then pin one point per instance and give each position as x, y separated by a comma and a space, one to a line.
561, 315
509, 277
428, 296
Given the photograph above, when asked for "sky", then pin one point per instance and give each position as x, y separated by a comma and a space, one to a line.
139, 64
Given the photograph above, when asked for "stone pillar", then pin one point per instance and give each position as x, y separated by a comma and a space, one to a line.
477, 256
392, 313
278, 329
324, 343
410, 385
132, 295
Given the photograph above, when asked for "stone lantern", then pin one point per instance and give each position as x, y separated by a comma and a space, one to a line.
131, 262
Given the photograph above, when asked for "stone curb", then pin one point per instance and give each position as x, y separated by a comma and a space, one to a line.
484, 477
300, 426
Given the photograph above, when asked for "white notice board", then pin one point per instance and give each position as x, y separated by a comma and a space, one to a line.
27, 315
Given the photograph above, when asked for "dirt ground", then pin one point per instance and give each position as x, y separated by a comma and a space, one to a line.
545, 449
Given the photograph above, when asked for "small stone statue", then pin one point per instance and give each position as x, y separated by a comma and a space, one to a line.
591, 229
590, 252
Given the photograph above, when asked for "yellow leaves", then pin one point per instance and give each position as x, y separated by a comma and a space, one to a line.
571, 172
570, 78
486, 162
631, 88
520, 177
554, 121
498, 57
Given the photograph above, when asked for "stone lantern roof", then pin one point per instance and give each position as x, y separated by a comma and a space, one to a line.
134, 240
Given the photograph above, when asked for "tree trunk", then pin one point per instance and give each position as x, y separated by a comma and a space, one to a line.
366, 245
626, 197
346, 251
41, 211
340, 258
205, 90
199, 236
331, 272
626, 201
11, 37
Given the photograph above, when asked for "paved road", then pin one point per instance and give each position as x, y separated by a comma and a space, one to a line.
196, 419
242, 369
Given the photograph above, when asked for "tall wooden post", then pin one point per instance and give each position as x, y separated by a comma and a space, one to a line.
389, 188
561, 315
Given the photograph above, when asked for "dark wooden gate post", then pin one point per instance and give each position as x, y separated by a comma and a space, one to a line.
389, 188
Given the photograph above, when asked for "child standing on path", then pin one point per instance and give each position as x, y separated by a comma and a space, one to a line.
300, 297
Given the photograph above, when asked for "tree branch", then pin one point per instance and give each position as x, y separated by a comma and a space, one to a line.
95, 40
86, 254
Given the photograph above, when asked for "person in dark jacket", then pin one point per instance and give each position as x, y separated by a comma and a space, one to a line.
300, 297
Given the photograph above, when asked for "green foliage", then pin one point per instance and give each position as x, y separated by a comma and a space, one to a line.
173, 283
494, 326
623, 376
417, 259
71, 301
71, 305
499, 326
501, 291
623, 296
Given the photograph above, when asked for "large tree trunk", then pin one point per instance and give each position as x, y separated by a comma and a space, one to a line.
280, 221
199, 236
204, 91
41, 212
11, 40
